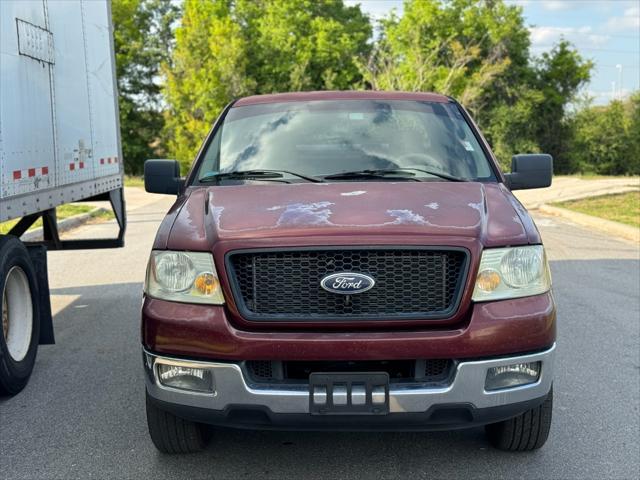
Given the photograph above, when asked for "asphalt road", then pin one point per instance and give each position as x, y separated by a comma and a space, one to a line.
82, 415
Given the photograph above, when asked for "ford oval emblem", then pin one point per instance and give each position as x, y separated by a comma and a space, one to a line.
347, 283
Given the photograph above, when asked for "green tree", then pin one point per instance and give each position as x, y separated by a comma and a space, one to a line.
606, 138
475, 51
531, 113
559, 75
142, 39
208, 69
634, 134
225, 49
303, 44
460, 48
510, 125
478, 52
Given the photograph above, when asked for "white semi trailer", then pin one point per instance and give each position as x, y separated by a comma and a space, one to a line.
59, 143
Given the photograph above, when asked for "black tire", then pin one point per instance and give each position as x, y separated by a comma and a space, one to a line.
15, 373
528, 431
171, 434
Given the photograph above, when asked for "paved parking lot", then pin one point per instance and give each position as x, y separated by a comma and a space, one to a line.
82, 415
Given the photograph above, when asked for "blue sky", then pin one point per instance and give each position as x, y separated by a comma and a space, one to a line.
605, 31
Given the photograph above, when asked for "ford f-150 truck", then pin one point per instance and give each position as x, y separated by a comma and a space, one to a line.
348, 261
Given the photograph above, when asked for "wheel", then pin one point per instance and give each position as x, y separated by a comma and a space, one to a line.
20, 316
171, 434
525, 432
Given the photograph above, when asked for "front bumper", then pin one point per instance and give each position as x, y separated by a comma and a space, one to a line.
504, 327
463, 402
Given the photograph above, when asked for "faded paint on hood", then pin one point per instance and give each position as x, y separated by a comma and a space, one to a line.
486, 212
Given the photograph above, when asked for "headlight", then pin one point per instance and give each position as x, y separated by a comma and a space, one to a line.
512, 273
188, 277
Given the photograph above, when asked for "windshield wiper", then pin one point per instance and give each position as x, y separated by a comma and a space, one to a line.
403, 173
258, 174
371, 174
445, 176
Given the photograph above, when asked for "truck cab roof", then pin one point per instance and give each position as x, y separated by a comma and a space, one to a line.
340, 95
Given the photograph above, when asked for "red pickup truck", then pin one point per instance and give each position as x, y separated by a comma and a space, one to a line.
348, 261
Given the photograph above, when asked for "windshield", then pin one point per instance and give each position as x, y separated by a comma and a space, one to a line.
320, 138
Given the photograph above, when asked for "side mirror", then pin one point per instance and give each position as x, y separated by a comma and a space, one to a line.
530, 171
162, 176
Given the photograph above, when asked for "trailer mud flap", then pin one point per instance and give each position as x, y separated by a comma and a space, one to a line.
38, 254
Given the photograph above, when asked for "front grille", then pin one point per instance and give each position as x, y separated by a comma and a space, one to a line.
409, 283
428, 371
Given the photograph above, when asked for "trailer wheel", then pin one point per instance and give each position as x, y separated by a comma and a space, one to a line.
20, 330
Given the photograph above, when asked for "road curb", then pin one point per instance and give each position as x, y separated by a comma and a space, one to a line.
63, 225
607, 226
617, 190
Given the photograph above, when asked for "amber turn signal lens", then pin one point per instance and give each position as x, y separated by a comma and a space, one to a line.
206, 283
488, 280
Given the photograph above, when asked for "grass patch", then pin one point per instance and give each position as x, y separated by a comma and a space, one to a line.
133, 181
103, 214
622, 207
63, 211
596, 176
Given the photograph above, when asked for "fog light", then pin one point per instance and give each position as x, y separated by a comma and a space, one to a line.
186, 378
515, 375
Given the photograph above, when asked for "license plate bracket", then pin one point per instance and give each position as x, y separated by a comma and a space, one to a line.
349, 393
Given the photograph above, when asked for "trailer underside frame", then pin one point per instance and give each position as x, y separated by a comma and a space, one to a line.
51, 237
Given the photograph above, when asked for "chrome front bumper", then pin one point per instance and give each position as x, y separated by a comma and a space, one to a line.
231, 388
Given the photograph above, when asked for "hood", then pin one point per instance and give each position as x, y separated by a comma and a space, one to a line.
487, 212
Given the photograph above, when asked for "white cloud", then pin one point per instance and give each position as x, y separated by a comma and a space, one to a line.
565, 5
547, 35
596, 39
555, 5
630, 20
544, 37
559, 5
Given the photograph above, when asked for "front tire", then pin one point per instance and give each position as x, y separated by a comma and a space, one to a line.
171, 434
20, 316
528, 431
